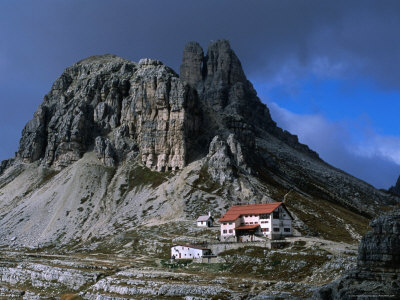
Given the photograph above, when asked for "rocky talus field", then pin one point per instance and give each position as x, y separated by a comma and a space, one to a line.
120, 159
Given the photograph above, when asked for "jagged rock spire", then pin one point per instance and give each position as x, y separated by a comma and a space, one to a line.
222, 64
192, 63
219, 66
230, 101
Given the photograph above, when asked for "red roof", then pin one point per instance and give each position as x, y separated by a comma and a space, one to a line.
247, 227
250, 209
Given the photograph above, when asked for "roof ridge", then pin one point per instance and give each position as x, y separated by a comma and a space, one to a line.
248, 209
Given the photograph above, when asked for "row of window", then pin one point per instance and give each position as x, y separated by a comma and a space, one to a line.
198, 254
249, 223
262, 230
275, 229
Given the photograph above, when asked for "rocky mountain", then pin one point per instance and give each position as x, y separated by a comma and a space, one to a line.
117, 144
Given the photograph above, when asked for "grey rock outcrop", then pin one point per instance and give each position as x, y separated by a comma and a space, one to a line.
377, 275
225, 159
6, 164
142, 105
105, 151
380, 248
396, 188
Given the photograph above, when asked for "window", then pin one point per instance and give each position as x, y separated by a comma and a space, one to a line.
201, 222
225, 223
251, 222
255, 222
264, 216
247, 223
276, 229
241, 223
230, 230
275, 215
224, 231
286, 229
267, 229
284, 215
230, 223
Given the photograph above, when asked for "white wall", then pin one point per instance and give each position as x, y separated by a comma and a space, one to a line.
186, 252
284, 221
229, 227
202, 223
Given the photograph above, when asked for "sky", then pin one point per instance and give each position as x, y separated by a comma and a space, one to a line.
328, 70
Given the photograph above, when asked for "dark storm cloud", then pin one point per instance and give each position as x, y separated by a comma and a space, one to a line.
44, 37
331, 38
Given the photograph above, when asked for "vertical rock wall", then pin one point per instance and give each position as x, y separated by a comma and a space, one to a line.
118, 108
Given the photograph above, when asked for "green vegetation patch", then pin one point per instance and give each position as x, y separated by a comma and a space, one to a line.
141, 176
252, 251
205, 182
326, 219
274, 265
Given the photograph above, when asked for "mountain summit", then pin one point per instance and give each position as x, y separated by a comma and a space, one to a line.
117, 144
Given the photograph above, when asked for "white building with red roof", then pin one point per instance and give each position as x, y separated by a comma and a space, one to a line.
245, 222
189, 251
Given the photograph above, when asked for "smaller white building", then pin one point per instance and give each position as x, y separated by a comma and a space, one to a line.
189, 252
205, 221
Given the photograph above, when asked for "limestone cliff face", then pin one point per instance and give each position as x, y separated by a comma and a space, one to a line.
118, 107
